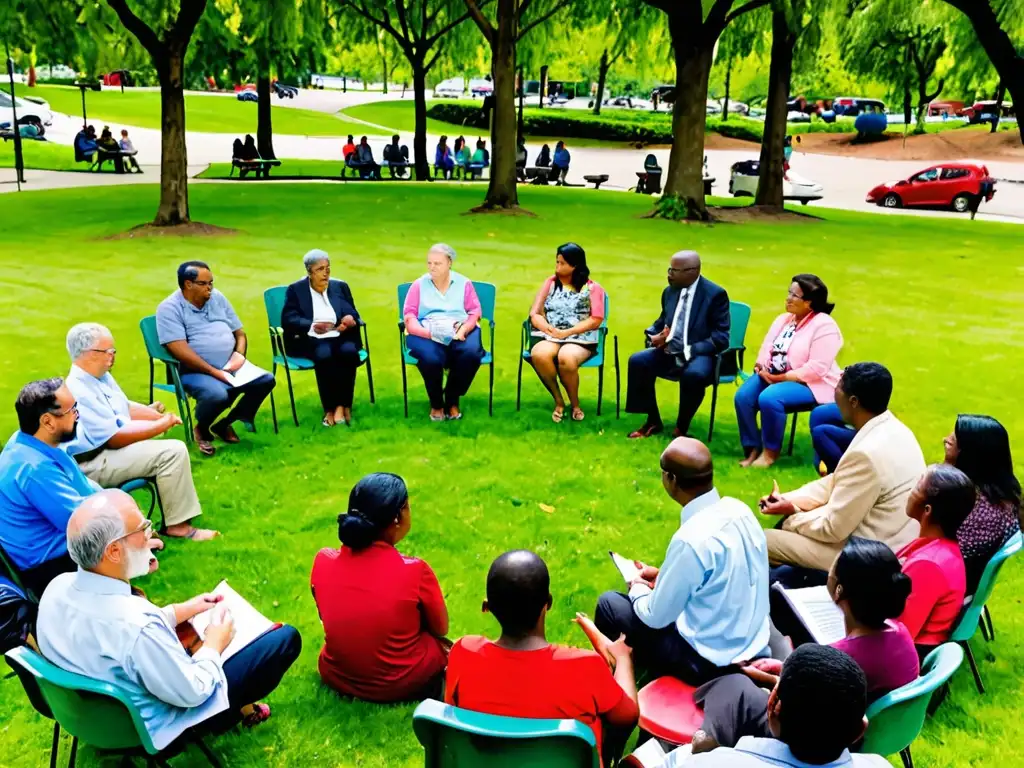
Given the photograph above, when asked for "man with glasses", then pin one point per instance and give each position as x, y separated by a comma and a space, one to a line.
114, 442
200, 328
40, 485
91, 623
693, 327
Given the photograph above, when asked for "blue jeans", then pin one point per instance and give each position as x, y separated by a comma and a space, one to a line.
774, 401
830, 435
213, 397
461, 358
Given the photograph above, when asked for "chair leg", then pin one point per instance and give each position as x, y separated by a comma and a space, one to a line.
207, 753
600, 387
369, 379
490, 395
291, 394
714, 403
986, 618
74, 752
617, 377
273, 405
908, 761
150, 380
792, 435
55, 749
966, 645
519, 381
405, 389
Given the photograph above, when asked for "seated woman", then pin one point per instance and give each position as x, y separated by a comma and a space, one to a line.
565, 316
321, 323
941, 501
443, 160
796, 367
980, 448
544, 158
383, 613
461, 153
520, 160
831, 437
441, 313
349, 149
868, 585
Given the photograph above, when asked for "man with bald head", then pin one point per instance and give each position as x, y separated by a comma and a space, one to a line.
706, 608
692, 329
91, 623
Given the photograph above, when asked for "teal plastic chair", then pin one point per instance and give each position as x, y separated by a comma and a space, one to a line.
458, 738
92, 711
487, 293
158, 353
895, 720
597, 361
739, 319
975, 612
273, 300
147, 484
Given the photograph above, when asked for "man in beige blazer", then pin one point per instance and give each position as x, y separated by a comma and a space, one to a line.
867, 494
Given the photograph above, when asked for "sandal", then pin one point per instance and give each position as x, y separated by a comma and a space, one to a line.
557, 415
577, 414
205, 446
260, 714
328, 421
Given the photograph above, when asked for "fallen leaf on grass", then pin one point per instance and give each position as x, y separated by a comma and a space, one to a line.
547, 508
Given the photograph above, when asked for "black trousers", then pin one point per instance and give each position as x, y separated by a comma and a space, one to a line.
646, 367
734, 707
658, 651
36, 579
461, 358
336, 361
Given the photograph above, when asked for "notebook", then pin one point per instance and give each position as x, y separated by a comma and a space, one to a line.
249, 623
626, 567
246, 373
816, 611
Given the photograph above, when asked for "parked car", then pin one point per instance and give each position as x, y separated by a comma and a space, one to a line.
713, 107
743, 183
480, 87
950, 185
452, 88
852, 106
285, 91
628, 102
248, 96
797, 117
985, 111
666, 94
27, 107
56, 72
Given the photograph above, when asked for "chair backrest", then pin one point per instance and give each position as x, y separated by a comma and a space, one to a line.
273, 299
739, 318
486, 292
968, 622
454, 737
895, 720
97, 713
154, 348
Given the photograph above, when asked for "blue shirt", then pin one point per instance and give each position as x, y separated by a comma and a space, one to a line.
751, 752
713, 584
209, 331
40, 487
561, 158
102, 409
451, 303
94, 626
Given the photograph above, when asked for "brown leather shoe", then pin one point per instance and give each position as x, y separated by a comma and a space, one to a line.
647, 430
205, 446
225, 432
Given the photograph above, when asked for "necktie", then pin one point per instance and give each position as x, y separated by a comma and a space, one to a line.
684, 299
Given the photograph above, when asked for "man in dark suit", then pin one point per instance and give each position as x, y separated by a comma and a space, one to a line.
693, 327
320, 322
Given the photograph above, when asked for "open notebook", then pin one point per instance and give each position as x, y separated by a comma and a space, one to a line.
816, 611
249, 623
652, 754
626, 567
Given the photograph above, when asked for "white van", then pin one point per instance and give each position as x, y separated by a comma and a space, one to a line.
452, 88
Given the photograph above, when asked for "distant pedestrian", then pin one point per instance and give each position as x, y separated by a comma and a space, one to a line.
984, 190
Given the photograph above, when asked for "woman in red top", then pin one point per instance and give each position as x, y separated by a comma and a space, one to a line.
383, 613
940, 502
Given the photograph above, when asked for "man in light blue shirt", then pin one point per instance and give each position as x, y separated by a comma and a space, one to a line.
92, 624
706, 608
40, 485
815, 713
199, 327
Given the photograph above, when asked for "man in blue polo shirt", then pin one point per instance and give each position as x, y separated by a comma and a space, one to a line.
200, 328
40, 485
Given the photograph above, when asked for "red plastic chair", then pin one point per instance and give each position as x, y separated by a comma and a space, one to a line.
668, 711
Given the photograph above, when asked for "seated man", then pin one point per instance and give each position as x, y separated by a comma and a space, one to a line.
522, 675
85, 144
395, 161
199, 327
40, 485
706, 608
693, 327
816, 712
866, 495
91, 623
114, 442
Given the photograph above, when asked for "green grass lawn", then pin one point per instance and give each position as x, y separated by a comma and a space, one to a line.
42, 155
330, 168
938, 301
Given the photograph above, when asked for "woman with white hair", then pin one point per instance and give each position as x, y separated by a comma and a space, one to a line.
441, 313
321, 323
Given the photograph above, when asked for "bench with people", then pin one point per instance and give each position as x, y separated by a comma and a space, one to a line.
247, 159
97, 151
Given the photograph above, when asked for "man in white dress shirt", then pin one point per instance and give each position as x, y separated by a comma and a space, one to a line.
691, 331
115, 439
91, 623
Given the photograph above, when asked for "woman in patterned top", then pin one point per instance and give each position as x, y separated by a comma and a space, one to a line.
980, 447
565, 317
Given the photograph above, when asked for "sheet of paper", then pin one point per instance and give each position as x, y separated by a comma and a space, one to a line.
249, 623
626, 567
248, 372
817, 612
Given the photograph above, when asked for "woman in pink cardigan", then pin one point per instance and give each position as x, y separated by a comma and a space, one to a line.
795, 368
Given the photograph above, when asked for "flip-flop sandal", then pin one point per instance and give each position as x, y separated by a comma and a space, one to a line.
557, 416
205, 446
327, 423
437, 417
456, 417
578, 415
260, 713
194, 535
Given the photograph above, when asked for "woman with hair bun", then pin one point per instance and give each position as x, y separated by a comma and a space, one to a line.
383, 613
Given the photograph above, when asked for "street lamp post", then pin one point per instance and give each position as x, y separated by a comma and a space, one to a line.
19, 160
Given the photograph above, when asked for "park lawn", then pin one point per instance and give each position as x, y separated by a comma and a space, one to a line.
484, 485
42, 155
331, 168
399, 116
214, 113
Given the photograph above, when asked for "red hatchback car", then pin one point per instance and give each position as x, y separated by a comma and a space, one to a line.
950, 185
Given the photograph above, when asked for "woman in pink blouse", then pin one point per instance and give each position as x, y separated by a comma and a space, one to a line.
795, 368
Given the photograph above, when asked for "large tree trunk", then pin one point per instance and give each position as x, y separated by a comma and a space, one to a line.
602, 76
264, 125
501, 190
1000, 95
419, 139
384, 60
173, 157
725, 104
685, 177
773, 141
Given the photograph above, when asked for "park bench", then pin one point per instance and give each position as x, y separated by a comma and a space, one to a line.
260, 166
104, 156
597, 179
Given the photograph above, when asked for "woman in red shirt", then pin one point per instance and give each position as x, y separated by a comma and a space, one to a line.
383, 613
940, 502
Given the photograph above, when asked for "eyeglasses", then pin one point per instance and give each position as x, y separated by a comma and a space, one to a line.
112, 351
146, 528
677, 270
62, 414
792, 295
202, 283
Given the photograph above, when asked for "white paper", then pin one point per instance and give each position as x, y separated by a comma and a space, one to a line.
816, 611
248, 372
249, 623
649, 754
626, 567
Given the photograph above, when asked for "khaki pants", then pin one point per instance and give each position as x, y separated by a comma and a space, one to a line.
166, 460
789, 548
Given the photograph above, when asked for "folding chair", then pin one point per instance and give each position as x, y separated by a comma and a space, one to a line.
158, 352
